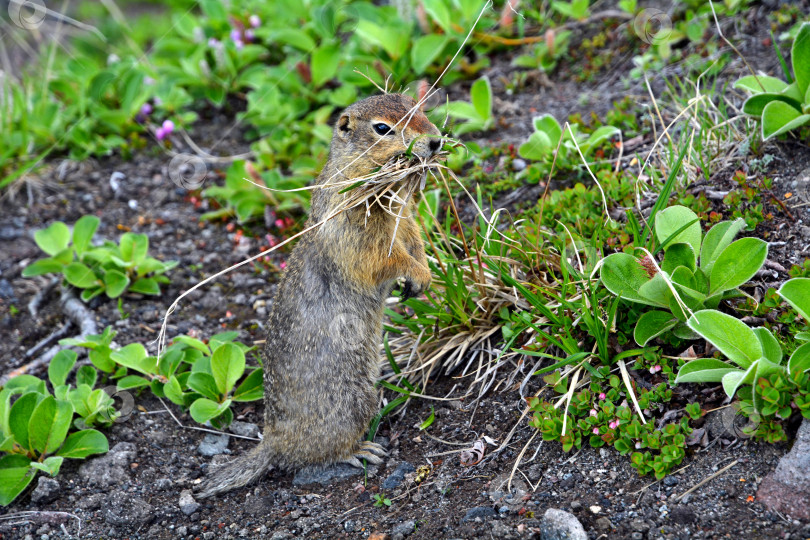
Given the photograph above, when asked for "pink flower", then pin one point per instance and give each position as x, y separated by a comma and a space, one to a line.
160, 133
280, 223
602, 396
596, 431
593, 412
613, 424
283, 265
249, 35
255, 21
146, 109
168, 127
236, 35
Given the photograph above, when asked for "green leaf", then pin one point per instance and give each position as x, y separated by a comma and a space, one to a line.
227, 366
623, 275
731, 336
679, 255
481, 97
670, 220
43, 266
733, 380
99, 85
656, 291
134, 356
537, 147
718, 239
131, 381
760, 83
84, 443
779, 118
174, 391
19, 418
770, 347
800, 359
26, 383
50, 465
293, 36
53, 239
134, 247
203, 410
146, 286
325, 60
651, 325
703, 370
438, 11
60, 367
86, 375
49, 425
425, 50
797, 293
755, 105
83, 231
251, 388
80, 275
15, 475
600, 135
737, 264
204, 384
193, 343
115, 282
800, 58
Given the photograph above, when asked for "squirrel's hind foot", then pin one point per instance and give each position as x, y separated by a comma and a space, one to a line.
370, 451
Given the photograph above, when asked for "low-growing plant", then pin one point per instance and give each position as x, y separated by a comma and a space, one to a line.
782, 106
546, 54
477, 115
679, 285
756, 353
110, 268
34, 427
547, 136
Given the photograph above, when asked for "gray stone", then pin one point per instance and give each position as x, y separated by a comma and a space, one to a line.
405, 528
326, 475
46, 491
245, 429
560, 525
111, 469
187, 503
787, 489
503, 531
213, 445
482, 512
682, 515
124, 510
397, 477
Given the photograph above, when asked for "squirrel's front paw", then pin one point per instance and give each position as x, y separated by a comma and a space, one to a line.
414, 288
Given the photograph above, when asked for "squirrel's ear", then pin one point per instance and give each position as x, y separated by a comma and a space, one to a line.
345, 126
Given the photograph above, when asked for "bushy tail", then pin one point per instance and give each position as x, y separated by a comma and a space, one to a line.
237, 473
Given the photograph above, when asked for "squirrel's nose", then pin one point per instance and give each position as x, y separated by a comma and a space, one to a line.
434, 145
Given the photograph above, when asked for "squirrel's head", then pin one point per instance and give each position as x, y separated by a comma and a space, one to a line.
380, 128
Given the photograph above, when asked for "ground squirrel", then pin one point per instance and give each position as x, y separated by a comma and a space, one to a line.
321, 357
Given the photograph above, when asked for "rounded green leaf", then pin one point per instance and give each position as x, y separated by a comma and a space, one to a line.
481, 97
174, 391
800, 57
84, 443
204, 384
203, 409
731, 336
703, 370
60, 366
717, 239
251, 388
134, 247
425, 50
623, 275
134, 356
227, 366
50, 465
15, 475
537, 147
547, 124
116, 283
42, 266
733, 380
83, 231
145, 286
324, 63
49, 425
737, 264
760, 83
755, 105
673, 219
19, 418
800, 359
53, 239
797, 293
770, 347
779, 117
651, 325
80, 275
679, 255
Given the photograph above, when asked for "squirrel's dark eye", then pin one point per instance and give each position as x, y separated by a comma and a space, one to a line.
382, 129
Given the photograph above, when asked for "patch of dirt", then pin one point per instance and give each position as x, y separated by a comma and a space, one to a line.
157, 459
